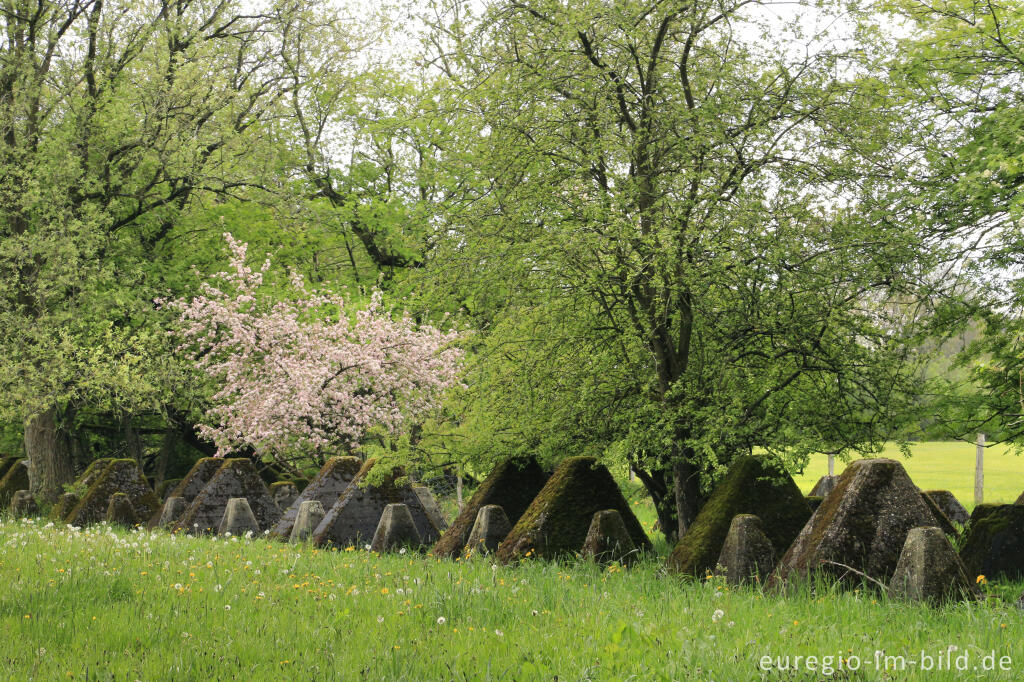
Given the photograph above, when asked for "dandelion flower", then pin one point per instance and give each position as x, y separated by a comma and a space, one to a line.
441, 620
717, 615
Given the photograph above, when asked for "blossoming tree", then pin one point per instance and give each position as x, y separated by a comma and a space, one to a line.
307, 375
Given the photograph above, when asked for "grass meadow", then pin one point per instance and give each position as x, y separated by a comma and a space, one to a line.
110, 604
945, 466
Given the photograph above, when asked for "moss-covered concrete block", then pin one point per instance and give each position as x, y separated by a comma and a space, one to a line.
929, 570
91, 473
196, 479
813, 502
65, 503
284, 493
23, 505
235, 478
994, 544
326, 487
119, 476
5, 465
949, 505
164, 490
753, 485
354, 517
120, 511
747, 553
512, 486
608, 540
395, 530
556, 522
14, 480
862, 524
491, 527
980, 512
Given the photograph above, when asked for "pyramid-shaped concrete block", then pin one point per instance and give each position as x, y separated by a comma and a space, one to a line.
994, 544
929, 570
164, 490
284, 493
353, 519
193, 483
65, 503
950, 506
14, 480
491, 527
747, 554
311, 513
941, 520
235, 478
430, 507
120, 511
238, 518
326, 487
172, 511
512, 486
119, 476
608, 540
862, 525
92, 472
824, 486
557, 521
23, 505
6, 463
395, 530
753, 485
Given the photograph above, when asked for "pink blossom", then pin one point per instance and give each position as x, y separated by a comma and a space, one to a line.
308, 374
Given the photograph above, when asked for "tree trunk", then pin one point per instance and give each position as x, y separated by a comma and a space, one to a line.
664, 505
687, 493
132, 443
170, 443
50, 456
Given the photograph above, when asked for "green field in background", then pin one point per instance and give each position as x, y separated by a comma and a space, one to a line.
945, 466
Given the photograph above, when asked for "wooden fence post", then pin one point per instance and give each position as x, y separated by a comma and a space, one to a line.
979, 470
458, 485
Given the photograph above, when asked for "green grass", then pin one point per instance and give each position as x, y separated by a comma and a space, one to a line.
945, 466
102, 605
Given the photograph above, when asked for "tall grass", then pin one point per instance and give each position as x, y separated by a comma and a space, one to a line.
110, 604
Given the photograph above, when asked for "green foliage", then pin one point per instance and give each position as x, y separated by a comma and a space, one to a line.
651, 243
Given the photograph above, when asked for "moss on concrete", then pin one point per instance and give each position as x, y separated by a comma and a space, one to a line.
119, 476
556, 522
512, 485
326, 487
14, 480
994, 544
235, 478
863, 523
753, 485
980, 512
193, 483
354, 517
5, 465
